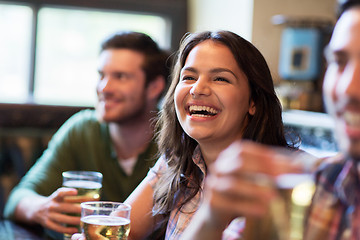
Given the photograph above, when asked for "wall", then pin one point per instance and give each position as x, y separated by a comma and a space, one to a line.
252, 20
266, 36
234, 15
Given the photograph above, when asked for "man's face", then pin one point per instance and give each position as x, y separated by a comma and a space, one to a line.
342, 81
121, 86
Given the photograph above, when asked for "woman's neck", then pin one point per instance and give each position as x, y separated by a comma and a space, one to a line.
210, 152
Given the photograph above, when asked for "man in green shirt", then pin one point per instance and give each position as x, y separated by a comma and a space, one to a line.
116, 139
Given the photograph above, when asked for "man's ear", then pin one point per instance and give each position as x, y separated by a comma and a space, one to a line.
155, 88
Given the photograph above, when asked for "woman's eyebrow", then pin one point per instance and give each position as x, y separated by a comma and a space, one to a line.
218, 70
191, 69
214, 70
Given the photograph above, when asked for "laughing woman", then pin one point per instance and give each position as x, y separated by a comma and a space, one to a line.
222, 92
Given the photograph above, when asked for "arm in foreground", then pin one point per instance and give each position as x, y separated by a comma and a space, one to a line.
239, 184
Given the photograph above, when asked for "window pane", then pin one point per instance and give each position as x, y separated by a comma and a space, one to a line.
15, 43
68, 46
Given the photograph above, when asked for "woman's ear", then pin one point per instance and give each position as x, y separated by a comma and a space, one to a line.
252, 108
155, 88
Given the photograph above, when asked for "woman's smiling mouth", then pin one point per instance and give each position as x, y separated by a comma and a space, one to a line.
202, 111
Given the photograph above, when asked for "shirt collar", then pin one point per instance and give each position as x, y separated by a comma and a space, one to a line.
199, 160
347, 184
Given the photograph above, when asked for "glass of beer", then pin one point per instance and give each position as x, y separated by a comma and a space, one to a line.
88, 185
105, 220
288, 209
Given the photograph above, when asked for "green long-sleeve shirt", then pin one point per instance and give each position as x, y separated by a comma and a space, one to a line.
82, 143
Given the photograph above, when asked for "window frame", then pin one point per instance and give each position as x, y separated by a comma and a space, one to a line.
174, 10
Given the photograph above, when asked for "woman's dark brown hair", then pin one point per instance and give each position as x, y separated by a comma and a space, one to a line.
182, 180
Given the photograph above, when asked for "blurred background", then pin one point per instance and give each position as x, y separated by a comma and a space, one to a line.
49, 49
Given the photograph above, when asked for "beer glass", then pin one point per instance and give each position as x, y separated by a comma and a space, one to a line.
88, 185
288, 209
105, 220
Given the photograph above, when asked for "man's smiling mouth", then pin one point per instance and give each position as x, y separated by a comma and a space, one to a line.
202, 111
352, 119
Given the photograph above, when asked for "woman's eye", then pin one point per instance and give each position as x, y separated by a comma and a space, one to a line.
188, 78
221, 79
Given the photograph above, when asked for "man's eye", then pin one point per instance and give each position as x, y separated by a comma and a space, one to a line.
341, 61
119, 75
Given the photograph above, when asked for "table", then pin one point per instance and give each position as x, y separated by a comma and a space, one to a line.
10, 230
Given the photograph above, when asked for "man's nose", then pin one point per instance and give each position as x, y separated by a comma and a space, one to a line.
352, 79
104, 84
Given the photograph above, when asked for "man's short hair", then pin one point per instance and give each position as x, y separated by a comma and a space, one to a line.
155, 63
344, 5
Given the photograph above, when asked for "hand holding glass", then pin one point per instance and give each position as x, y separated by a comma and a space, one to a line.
295, 191
87, 183
295, 195
105, 220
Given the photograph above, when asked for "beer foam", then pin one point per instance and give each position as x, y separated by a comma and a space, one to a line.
291, 180
105, 220
82, 184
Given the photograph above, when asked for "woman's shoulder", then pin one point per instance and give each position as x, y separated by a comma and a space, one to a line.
157, 171
160, 166
331, 167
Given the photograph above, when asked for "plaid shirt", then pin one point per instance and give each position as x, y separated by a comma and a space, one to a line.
180, 218
335, 211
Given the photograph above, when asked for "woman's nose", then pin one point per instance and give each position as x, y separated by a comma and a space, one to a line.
200, 87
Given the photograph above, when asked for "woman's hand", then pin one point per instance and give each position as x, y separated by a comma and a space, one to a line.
78, 236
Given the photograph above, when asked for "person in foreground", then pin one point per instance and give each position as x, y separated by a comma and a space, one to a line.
116, 139
335, 210
221, 94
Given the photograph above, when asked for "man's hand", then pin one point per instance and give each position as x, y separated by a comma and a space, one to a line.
57, 212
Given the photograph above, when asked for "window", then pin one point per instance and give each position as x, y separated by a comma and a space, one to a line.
49, 55
68, 45
15, 45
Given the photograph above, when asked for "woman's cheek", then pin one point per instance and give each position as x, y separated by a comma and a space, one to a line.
179, 100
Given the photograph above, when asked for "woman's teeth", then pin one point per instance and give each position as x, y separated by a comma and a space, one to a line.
202, 111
